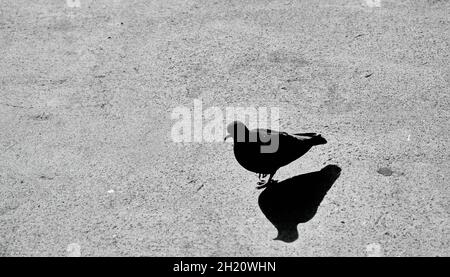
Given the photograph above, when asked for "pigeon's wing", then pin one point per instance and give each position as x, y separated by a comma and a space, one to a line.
282, 148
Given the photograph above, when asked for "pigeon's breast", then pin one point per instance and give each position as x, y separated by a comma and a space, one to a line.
249, 156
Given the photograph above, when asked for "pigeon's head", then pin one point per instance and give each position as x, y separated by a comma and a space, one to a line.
237, 130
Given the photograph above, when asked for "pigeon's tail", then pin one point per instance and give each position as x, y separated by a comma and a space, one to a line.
316, 139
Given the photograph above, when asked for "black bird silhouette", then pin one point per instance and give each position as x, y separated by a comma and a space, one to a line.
264, 151
296, 200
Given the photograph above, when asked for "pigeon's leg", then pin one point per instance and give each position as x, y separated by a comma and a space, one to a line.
265, 180
262, 178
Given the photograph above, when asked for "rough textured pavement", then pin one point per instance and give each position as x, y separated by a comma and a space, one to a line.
88, 167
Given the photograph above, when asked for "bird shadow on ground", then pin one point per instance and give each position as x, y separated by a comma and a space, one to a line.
296, 200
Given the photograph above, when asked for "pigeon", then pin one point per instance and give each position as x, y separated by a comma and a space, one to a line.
264, 151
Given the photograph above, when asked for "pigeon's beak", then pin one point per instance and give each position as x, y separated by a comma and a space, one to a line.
228, 136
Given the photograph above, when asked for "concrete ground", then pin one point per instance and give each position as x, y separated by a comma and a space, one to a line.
88, 166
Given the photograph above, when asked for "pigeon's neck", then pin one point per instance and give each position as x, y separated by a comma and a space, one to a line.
243, 137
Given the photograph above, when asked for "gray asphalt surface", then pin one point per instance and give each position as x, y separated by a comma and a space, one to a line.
88, 167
